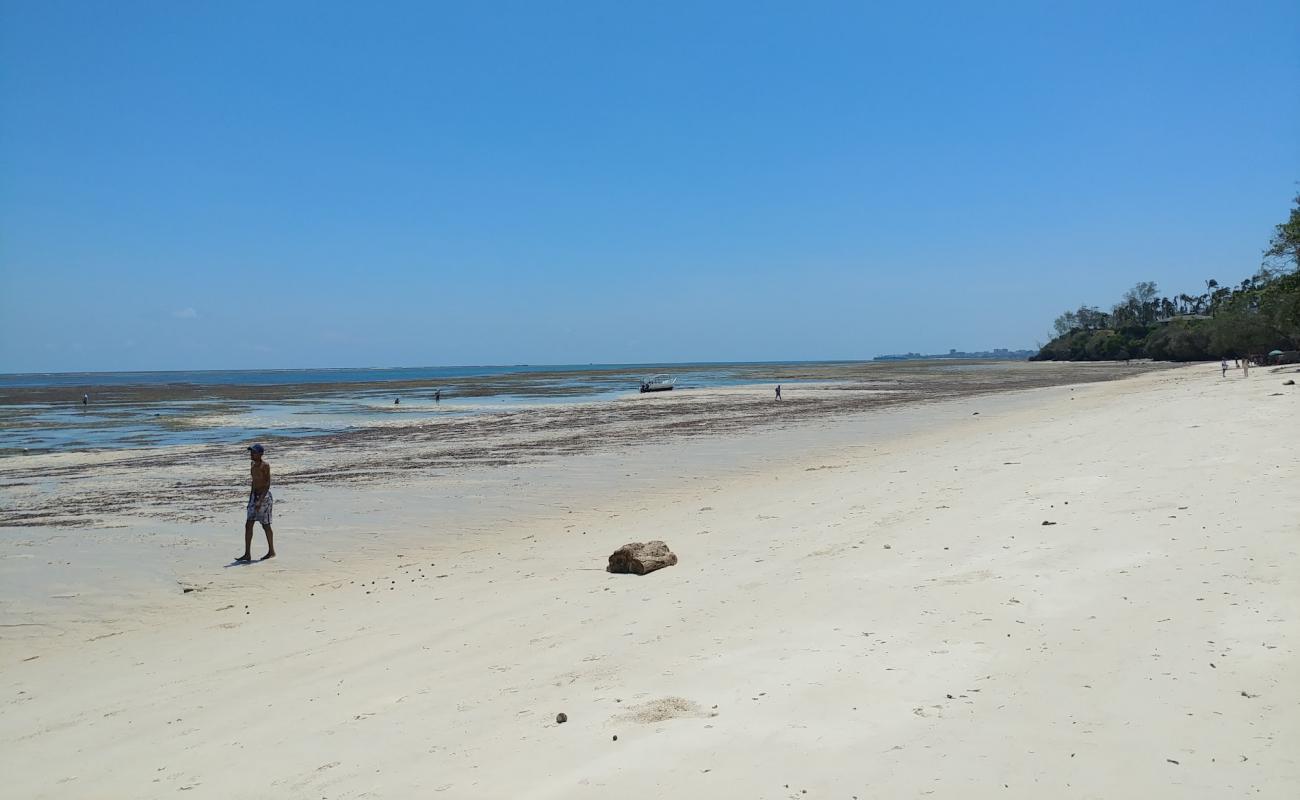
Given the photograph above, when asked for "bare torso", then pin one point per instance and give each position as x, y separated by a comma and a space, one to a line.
261, 475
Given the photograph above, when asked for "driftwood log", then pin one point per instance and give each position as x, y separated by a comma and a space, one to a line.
639, 558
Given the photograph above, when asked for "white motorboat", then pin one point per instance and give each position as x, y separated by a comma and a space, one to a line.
658, 383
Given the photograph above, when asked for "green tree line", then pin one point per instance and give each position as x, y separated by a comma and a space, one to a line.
1258, 315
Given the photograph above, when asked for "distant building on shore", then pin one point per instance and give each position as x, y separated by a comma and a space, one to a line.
998, 354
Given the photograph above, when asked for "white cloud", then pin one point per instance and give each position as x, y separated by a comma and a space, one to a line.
186, 313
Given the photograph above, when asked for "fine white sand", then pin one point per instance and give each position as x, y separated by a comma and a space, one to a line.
867, 606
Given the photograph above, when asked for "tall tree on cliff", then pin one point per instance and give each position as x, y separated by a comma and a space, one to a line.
1285, 245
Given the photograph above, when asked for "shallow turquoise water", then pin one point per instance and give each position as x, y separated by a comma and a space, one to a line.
50, 426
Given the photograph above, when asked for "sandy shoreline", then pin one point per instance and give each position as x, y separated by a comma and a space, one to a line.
867, 604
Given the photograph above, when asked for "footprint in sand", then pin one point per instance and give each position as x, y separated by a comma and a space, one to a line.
664, 709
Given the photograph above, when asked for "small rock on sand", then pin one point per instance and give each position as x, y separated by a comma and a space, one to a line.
639, 558
561, 718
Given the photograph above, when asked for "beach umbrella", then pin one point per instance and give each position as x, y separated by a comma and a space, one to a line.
1275, 352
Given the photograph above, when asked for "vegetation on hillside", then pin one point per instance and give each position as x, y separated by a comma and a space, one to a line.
1259, 315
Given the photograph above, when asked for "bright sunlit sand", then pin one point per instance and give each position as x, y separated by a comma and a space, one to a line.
1083, 591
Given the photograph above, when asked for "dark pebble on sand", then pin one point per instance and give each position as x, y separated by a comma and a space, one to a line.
616, 737
561, 718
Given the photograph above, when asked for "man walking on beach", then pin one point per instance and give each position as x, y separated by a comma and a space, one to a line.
260, 504
778, 392
1223, 368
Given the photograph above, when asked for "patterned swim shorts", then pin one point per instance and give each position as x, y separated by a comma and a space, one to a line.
263, 514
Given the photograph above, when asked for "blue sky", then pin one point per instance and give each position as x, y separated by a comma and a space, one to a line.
227, 185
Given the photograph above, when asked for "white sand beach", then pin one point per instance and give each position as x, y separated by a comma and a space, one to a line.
1085, 591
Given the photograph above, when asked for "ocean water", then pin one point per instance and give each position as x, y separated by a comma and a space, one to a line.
44, 412
273, 377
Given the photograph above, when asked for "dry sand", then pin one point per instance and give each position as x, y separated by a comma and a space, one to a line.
867, 604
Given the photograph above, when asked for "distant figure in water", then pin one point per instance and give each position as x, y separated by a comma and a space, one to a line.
778, 392
397, 401
1223, 368
260, 504
437, 396
85, 400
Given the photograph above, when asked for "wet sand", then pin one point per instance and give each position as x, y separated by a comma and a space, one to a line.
99, 488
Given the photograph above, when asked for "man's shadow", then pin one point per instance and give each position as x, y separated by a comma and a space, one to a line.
239, 563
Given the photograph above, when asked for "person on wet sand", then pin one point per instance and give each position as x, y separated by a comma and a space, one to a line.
260, 504
778, 392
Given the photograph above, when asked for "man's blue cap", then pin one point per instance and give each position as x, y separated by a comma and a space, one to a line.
257, 448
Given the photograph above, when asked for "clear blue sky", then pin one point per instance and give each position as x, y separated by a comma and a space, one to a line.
228, 185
